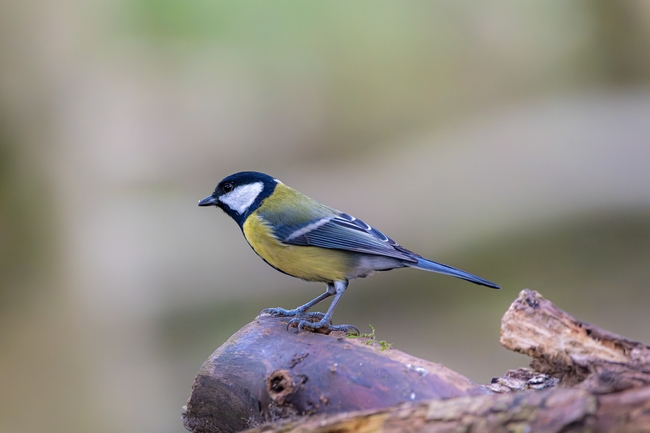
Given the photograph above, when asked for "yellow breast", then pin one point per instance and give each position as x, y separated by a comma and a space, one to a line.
308, 263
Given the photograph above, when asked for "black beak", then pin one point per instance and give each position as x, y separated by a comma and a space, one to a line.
208, 201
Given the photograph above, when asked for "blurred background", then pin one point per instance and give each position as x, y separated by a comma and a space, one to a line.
508, 139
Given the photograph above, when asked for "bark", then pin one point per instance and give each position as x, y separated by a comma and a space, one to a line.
573, 351
549, 411
582, 378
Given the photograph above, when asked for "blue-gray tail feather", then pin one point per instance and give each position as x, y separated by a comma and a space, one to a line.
428, 265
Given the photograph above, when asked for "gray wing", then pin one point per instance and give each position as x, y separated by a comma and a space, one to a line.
343, 232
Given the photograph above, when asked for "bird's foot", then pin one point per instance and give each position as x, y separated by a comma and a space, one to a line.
322, 326
315, 315
296, 312
281, 312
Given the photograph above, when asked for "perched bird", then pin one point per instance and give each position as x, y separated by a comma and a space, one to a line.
306, 239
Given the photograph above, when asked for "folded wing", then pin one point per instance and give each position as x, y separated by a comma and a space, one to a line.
343, 232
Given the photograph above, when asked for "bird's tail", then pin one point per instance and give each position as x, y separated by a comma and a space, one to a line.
428, 265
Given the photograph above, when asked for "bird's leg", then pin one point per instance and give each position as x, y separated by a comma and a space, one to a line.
302, 310
325, 322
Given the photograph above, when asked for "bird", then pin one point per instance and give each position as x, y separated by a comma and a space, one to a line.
306, 239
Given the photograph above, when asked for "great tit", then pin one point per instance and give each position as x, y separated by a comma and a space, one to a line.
306, 239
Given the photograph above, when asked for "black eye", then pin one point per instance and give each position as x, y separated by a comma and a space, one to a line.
227, 187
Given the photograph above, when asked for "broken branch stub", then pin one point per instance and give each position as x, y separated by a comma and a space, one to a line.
571, 350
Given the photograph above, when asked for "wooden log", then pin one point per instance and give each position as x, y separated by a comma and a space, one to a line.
583, 378
627, 411
549, 411
265, 372
573, 351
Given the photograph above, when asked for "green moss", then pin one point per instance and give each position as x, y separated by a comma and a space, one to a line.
372, 339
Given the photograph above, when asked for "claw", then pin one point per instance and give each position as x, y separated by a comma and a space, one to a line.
349, 328
292, 322
309, 322
320, 326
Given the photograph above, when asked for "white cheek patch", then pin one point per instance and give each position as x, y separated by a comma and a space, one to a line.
240, 198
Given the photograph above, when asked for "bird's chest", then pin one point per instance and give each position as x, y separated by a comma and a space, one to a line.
306, 262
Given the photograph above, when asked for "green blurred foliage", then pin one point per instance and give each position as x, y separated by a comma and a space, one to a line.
26, 225
391, 68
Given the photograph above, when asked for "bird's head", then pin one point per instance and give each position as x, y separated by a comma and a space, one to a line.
241, 193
